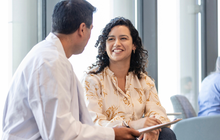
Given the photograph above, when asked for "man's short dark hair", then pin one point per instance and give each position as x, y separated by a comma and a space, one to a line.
69, 14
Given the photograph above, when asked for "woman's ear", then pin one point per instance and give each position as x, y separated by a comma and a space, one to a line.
133, 47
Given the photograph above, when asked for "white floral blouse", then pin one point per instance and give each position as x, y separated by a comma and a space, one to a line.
109, 105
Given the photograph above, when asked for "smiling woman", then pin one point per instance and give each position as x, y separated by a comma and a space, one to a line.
117, 87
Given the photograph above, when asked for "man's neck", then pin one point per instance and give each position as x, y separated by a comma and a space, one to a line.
67, 43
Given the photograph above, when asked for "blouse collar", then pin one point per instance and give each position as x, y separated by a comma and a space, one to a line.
111, 73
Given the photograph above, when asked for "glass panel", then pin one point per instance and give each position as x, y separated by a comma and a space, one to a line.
218, 28
24, 29
5, 53
177, 51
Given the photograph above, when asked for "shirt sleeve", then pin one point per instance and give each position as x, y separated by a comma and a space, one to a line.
50, 100
94, 101
153, 105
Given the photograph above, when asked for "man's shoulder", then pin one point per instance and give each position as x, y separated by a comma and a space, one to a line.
45, 53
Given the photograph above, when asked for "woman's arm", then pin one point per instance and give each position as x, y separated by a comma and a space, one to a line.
94, 101
154, 113
153, 105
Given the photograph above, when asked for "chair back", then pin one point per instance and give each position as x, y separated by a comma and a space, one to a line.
182, 104
198, 128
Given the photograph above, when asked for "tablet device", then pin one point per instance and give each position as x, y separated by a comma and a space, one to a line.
147, 129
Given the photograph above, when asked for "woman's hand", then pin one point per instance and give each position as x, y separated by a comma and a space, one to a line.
144, 122
152, 135
147, 122
151, 121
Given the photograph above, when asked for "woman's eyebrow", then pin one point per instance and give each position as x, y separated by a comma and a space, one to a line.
119, 35
110, 36
123, 35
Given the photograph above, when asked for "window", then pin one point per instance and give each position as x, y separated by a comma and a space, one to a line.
5, 53
178, 57
218, 28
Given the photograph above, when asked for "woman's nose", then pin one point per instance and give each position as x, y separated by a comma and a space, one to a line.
117, 42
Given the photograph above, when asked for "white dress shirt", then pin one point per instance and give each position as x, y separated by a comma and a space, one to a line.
45, 99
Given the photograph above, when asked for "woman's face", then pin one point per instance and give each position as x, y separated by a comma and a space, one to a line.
119, 44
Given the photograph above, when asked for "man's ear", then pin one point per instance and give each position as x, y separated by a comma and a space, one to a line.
81, 29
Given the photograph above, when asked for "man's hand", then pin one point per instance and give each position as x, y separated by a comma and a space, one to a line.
123, 133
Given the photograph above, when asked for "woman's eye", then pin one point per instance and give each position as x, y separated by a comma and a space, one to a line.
109, 39
123, 38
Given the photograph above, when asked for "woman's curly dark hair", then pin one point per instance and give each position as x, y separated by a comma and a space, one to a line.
138, 62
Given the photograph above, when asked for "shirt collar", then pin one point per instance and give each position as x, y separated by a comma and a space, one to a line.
52, 38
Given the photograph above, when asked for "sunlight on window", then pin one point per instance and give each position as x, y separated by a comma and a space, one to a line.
218, 29
199, 44
167, 44
5, 54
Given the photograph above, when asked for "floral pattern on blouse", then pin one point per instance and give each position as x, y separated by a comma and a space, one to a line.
109, 105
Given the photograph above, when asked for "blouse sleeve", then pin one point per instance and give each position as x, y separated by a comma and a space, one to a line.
94, 102
153, 105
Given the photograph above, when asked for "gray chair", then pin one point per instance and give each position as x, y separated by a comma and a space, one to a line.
198, 128
181, 104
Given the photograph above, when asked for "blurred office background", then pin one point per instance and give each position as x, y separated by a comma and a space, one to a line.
181, 37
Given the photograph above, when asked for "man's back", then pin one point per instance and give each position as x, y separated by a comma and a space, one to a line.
44, 99
209, 96
24, 98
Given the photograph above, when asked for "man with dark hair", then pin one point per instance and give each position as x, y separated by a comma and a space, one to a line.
45, 100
